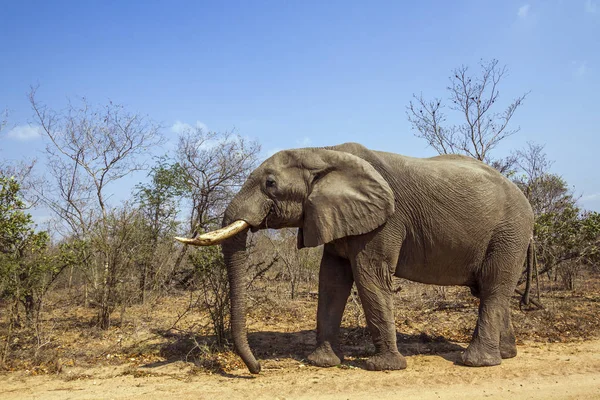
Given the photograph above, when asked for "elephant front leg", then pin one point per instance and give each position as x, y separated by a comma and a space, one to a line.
374, 282
335, 282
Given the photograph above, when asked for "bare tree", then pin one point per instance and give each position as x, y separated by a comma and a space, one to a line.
215, 166
474, 99
89, 148
286, 250
299, 265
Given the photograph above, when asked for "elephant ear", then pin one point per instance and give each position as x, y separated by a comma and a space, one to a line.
348, 197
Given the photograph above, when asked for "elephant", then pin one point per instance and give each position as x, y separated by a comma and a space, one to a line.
444, 220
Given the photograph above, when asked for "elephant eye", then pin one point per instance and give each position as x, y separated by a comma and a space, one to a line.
270, 183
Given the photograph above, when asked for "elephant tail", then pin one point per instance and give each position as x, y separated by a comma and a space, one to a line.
531, 266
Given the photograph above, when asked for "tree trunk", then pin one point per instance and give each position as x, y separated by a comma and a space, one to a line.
104, 313
71, 277
29, 304
143, 284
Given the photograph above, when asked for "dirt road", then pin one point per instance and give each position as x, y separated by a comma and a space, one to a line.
540, 371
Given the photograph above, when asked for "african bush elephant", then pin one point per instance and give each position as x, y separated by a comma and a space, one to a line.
445, 220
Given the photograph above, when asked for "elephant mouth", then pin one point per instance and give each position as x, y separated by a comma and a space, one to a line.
277, 219
268, 221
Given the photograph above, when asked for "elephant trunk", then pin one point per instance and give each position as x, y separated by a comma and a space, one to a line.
251, 206
234, 253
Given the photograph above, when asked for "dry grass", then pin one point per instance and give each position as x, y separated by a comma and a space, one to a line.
281, 331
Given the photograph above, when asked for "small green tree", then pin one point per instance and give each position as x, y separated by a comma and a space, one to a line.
20, 247
568, 240
566, 236
158, 204
27, 269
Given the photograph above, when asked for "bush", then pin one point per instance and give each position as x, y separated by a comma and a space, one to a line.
211, 276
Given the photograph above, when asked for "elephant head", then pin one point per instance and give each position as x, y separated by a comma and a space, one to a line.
327, 194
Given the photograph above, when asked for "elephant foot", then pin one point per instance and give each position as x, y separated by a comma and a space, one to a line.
475, 356
508, 346
386, 361
508, 350
324, 356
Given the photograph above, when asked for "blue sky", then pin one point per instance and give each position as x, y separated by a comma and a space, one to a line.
314, 73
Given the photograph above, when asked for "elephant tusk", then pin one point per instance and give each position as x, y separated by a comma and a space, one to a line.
216, 237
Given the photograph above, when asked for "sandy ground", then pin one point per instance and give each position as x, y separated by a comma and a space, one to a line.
540, 371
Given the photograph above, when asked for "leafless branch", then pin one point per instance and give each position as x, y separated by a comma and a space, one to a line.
474, 98
216, 165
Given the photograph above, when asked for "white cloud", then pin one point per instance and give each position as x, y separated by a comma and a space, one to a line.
523, 11
24, 132
179, 127
591, 7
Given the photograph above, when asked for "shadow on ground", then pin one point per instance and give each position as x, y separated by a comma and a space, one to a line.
279, 346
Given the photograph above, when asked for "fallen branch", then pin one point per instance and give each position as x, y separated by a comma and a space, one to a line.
532, 301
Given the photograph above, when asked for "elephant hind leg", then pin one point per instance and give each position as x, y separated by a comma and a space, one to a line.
484, 349
508, 346
494, 337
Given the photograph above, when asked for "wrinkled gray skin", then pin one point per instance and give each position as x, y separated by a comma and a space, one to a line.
446, 220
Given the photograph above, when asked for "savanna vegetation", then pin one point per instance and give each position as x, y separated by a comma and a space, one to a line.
104, 281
